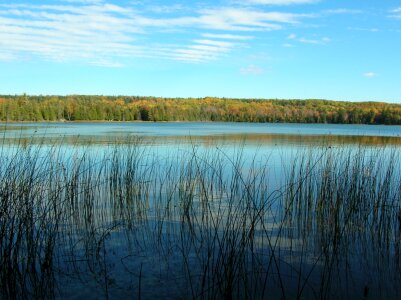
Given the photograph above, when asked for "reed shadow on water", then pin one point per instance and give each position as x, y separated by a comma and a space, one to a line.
124, 220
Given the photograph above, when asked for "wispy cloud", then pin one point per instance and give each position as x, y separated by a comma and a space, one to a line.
370, 74
62, 32
251, 70
395, 13
105, 34
363, 29
227, 36
199, 50
281, 2
320, 41
167, 9
316, 41
343, 11
83, 1
237, 19
215, 43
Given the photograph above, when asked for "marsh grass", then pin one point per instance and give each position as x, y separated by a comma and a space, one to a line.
124, 220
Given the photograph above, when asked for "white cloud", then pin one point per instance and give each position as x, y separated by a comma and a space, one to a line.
207, 49
201, 50
395, 13
97, 32
222, 44
167, 9
227, 36
320, 41
90, 33
363, 29
83, 1
281, 2
370, 74
225, 19
252, 70
239, 19
343, 11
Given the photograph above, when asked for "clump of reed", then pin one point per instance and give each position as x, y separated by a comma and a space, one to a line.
346, 204
118, 220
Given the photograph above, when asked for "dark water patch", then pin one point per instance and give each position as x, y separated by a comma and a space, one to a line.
127, 222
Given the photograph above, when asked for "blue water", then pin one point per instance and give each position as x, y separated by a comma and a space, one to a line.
273, 147
276, 145
196, 129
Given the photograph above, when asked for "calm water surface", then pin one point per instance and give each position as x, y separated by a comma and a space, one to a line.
204, 209
274, 144
196, 129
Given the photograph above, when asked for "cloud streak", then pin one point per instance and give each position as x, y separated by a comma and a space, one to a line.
251, 70
106, 34
395, 13
281, 2
342, 11
319, 41
370, 74
227, 36
363, 29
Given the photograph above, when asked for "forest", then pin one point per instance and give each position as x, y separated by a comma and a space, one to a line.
135, 108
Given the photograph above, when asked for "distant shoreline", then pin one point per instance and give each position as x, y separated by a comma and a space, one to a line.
148, 109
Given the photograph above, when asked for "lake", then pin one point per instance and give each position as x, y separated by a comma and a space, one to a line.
200, 210
198, 129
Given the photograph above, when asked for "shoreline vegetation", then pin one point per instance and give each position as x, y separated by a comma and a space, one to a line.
74, 108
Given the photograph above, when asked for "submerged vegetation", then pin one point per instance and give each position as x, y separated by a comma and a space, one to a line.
201, 224
121, 108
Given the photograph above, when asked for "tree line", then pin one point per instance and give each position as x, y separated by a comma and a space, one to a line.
134, 108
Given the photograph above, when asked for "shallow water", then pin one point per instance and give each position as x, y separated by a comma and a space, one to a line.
208, 210
199, 129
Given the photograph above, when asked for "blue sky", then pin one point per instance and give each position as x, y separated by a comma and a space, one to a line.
331, 49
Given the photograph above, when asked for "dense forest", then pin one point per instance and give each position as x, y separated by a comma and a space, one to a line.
123, 108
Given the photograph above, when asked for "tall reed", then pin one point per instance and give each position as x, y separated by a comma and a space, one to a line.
124, 219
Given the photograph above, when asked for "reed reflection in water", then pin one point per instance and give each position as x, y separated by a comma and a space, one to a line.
126, 221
